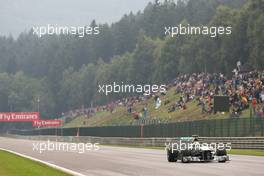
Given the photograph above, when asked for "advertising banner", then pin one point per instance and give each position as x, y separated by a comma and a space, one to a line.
19, 116
47, 123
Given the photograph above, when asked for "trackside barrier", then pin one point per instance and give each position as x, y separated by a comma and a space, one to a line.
235, 127
256, 143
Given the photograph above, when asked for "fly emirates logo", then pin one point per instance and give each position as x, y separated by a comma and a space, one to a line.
18, 116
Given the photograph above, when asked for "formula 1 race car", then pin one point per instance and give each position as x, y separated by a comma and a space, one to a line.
193, 151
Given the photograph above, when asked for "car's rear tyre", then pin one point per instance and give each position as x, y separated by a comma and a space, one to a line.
172, 156
223, 161
221, 153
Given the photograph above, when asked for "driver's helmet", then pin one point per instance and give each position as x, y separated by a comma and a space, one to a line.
195, 138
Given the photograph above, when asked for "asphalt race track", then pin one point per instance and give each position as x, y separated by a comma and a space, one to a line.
118, 161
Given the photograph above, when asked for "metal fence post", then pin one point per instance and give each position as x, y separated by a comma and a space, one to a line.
221, 127
142, 130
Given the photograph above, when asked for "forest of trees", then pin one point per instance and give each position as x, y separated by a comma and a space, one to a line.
63, 72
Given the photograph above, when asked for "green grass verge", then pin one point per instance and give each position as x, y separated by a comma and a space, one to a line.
13, 165
246, 152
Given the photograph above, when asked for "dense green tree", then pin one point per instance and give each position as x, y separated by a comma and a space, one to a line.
63, 72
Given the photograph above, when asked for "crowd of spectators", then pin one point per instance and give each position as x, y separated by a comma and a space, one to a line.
110, 107
245, 89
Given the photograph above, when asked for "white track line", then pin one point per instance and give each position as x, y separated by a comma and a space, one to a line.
46, 163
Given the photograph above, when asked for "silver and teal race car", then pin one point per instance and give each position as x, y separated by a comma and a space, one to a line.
188, 149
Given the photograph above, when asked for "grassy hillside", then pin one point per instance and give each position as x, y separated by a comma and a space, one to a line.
120, 116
